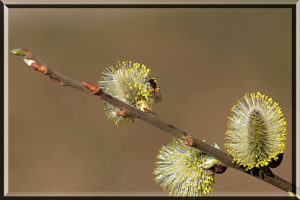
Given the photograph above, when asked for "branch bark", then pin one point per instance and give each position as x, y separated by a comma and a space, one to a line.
148, 117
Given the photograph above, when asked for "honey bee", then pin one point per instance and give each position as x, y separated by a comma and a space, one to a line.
154, 88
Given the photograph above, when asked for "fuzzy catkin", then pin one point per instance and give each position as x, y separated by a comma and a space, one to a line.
256, 131
183, 170
129, 82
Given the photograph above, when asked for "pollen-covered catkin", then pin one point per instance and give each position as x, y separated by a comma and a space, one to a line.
183, 170
256, 131
129, 82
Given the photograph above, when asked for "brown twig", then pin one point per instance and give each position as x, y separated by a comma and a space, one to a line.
148, 117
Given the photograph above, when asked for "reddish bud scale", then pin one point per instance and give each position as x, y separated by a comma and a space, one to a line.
39, 67
189, 141
28, 54
93, 88
25, 50
147, 110
120, 113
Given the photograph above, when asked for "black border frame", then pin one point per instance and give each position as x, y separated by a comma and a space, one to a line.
293, 20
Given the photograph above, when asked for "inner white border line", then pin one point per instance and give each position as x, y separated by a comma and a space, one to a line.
5, 51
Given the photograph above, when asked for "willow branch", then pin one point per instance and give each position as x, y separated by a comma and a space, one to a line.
150, 118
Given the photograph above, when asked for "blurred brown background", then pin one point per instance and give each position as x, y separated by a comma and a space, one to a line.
204, 59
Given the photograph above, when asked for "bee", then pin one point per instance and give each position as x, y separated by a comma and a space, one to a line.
154, 88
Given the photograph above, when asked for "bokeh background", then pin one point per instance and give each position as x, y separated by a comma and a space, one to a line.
204, 59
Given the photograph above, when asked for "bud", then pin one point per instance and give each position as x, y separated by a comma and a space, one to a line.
93, 88
19, 51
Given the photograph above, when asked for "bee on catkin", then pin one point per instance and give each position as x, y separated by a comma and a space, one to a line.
130, 83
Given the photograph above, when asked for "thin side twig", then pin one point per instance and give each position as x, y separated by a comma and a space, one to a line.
148, 117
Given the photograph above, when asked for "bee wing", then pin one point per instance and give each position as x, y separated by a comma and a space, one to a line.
157, 97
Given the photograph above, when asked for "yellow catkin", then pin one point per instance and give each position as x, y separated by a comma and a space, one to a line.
256, 131
182, 174
128, 82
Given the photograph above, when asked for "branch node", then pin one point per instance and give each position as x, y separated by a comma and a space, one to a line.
120, 113
38, 67
93, 88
